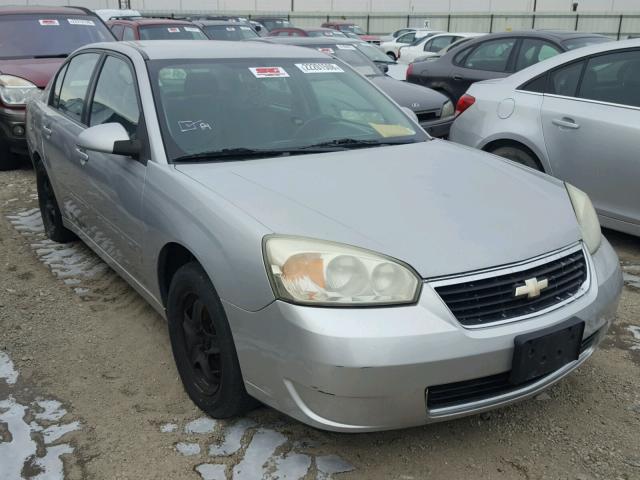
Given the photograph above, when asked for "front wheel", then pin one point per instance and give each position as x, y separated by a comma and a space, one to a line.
518, 155
203, 346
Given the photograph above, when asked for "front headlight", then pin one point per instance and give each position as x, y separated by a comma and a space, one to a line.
15, 90
587, 217
322, 273
448, 109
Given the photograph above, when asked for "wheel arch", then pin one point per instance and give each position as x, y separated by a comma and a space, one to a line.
171, 258
492, 144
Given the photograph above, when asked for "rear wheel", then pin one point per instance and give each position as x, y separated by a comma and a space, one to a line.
51, 216
8, 160
392, 56
518, 155
203, 346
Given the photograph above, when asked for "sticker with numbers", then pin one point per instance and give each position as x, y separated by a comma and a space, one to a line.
191, 29
326, 50
49, 23
173, 30
269, 72
346, 47
81, 21
319, 68
231, 29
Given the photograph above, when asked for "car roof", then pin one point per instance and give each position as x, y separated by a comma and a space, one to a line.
541, 67
557, 35
310, 41
228, 23
13, 10
207, 49
340, 22
152, 21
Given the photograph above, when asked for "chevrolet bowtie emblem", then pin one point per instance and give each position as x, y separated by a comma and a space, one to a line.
531, 288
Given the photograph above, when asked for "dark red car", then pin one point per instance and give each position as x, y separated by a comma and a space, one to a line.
34, 41
155, 29
306, 32
350, 27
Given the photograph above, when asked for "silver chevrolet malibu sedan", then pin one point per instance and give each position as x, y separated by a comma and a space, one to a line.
310, 246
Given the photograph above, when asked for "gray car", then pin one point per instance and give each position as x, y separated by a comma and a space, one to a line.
576, 117
309, 245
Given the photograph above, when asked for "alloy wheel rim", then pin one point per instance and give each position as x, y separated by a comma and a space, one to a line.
49, 206
201, 345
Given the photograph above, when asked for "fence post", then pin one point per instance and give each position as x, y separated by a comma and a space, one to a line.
449, 23
327, 18
408, 20
491, 24
577, 19
620, 26
533, 21
368, 23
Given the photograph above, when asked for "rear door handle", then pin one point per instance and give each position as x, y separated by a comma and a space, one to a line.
47, 131
458, 78
565, 122
84, 158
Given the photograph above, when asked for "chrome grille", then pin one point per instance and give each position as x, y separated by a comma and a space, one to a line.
487, 300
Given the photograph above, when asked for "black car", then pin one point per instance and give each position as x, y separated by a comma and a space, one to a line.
495, 55
227, 30
434, 111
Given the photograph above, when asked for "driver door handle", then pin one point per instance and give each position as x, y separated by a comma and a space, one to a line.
47, 131
458, 77
84, 158
565, 122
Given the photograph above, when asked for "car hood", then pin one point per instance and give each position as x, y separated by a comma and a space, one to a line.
37, 70
416, 97
442, 208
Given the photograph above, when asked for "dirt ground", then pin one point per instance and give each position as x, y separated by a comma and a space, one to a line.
71, 331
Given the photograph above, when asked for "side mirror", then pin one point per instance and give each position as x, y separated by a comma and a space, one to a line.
109, 138
258, 28
411, 113
383, 66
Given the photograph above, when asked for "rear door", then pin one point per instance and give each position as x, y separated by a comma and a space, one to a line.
591, 123
60, 128
488, 59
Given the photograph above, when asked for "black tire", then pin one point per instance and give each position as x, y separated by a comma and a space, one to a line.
518, 155
203, 346
8, 160
392, 56
49, 210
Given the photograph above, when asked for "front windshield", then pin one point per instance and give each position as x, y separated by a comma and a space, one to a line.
229, 32
270, 104
45, 35
351, 28
574, 43
325, 33
373, 53
171, 32
273, 24
350, 55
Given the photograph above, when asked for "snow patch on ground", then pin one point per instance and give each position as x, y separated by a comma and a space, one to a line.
21, 447
201, 425
635, 331
631, 275
188, 449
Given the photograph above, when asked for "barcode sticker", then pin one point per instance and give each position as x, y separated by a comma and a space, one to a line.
81, 21
346, 47
319, 68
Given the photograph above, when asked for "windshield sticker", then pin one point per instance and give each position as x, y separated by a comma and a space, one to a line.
319, 68
231, 29
269, 72
346, 47
387, 130
173, 30
245, 28
326, 50
191, 29
191, 125
81, 21
47, 23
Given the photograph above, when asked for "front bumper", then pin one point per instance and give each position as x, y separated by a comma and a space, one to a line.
438, 128
12, 120
368, 369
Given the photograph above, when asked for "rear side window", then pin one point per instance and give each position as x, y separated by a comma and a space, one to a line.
75, 84
128, 34
536, 85
117, 31
533, 51
407, 38
58, 86
564, 80
438, 43
492, 56
613, 78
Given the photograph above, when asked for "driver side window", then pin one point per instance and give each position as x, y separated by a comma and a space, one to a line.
115, 99
407, 38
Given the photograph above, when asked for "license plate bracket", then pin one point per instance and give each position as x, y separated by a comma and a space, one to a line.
541, 352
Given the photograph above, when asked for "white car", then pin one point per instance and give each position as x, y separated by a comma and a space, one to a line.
430, 46
392, 47
107, 14
396, 34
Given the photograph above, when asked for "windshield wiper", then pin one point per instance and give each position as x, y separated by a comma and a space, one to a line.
247, 153
347, 143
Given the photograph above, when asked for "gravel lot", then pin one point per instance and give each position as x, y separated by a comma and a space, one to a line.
88, 390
